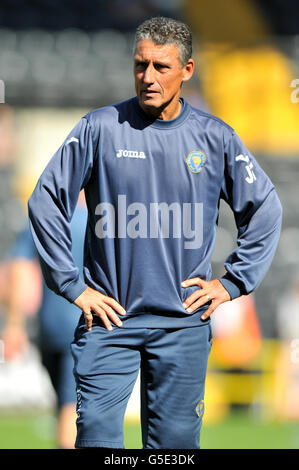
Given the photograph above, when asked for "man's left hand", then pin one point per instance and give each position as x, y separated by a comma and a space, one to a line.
210, 291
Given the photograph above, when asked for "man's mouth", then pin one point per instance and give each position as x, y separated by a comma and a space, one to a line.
149, 92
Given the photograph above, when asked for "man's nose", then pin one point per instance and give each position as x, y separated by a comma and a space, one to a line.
149, 75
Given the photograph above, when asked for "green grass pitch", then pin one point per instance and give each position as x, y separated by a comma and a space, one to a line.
239, 430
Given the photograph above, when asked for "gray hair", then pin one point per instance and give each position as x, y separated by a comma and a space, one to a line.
166, 31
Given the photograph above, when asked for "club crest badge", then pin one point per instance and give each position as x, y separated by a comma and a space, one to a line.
195, 161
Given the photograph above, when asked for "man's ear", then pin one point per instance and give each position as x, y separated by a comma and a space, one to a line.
188, 70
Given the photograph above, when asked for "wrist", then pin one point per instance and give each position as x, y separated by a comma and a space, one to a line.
230, 286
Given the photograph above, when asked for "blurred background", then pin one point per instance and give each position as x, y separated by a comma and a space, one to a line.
59, 60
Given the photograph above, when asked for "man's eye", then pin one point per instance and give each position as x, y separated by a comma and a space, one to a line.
161, 67
140, 65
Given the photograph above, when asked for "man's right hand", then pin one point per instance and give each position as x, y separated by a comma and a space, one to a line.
102, 305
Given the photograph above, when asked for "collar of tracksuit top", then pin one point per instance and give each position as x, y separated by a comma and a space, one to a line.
141, 265
164, 124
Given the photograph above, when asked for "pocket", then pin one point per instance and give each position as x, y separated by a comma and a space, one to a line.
86, 348
81, 322
85, 352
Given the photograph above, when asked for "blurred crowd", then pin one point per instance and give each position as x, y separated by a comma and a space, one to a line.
123, 15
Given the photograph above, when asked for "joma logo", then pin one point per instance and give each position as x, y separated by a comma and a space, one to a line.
130, 154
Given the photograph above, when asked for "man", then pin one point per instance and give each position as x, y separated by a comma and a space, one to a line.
153, 169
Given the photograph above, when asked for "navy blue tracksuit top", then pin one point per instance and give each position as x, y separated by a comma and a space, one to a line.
152, 189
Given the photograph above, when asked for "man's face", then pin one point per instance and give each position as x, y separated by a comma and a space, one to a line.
159, 75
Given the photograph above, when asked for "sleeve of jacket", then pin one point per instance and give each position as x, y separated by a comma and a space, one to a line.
51, 207
258, 215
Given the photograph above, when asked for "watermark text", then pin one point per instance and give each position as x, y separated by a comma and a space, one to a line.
295, 93
154, 220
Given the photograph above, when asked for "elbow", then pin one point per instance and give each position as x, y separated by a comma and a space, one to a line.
273, 211
280, 210
32, 205
278, 213
29, 203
